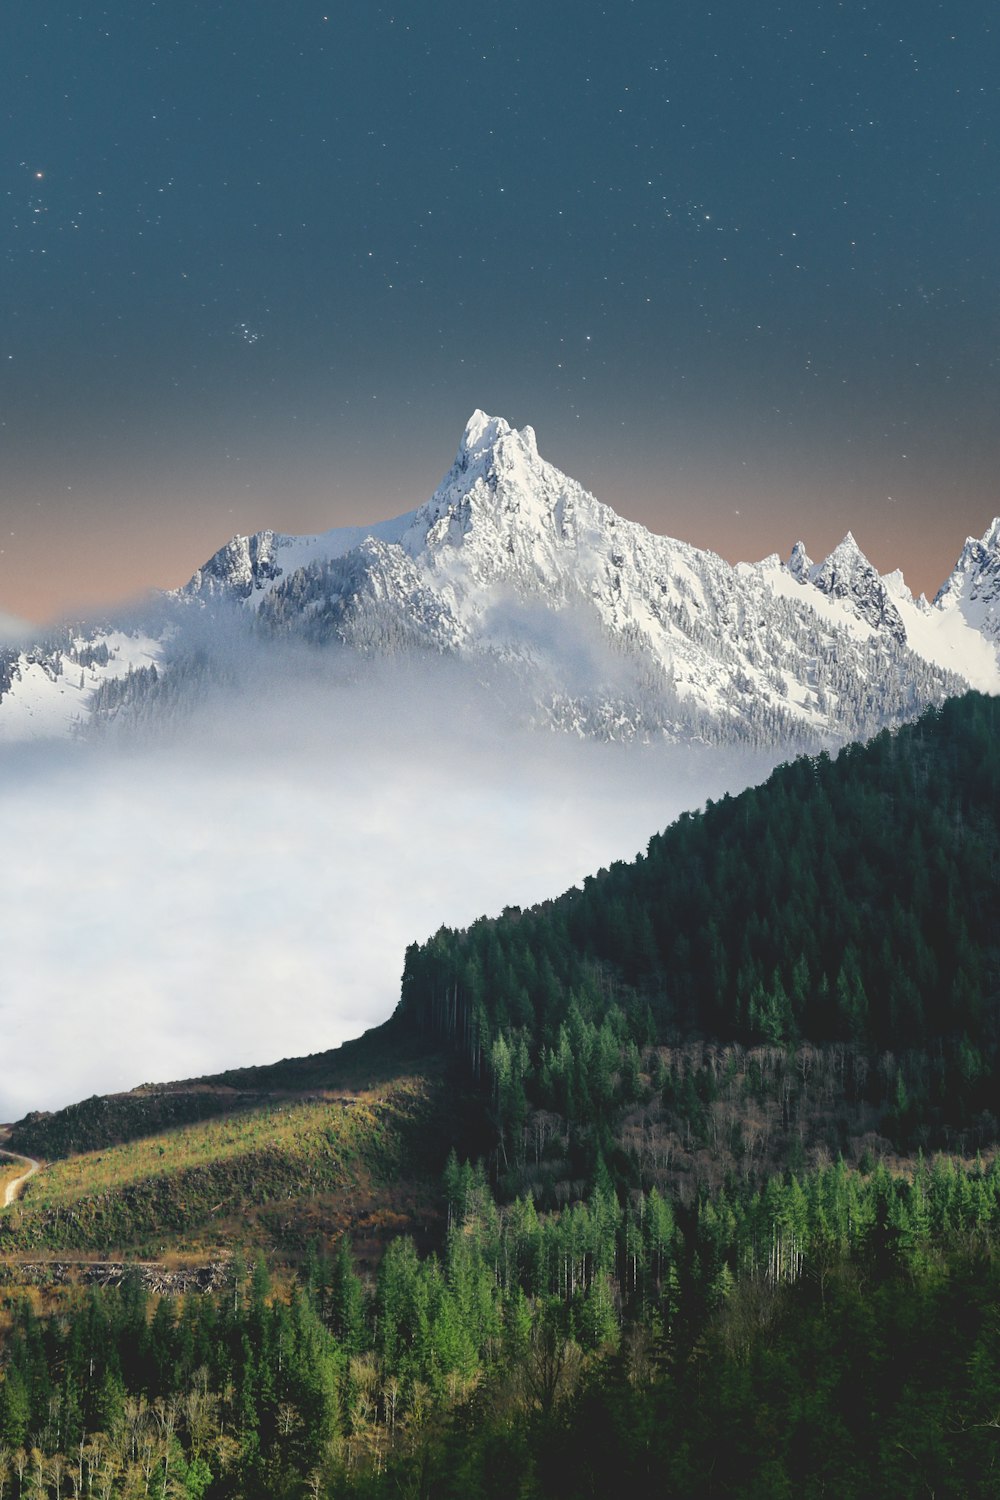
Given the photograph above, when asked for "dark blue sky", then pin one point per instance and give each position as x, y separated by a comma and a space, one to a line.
737, 263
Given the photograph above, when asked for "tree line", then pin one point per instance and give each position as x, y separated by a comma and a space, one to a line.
848, 901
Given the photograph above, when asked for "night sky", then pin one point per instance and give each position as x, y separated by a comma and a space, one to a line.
737, 263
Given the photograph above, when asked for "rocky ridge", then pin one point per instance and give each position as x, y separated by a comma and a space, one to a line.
613, 631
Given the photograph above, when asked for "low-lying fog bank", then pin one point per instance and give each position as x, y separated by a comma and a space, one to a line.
243, 887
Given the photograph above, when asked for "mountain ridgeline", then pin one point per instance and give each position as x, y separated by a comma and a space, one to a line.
512, 568
848, 903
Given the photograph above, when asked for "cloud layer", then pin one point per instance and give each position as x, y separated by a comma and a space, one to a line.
246, 890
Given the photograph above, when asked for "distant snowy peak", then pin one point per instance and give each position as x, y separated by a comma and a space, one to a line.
848, 575
248, 567
512, 561
241, 566
501, 511
507, 541
959, 633
800, 564
898, 589
974, 584
608, 629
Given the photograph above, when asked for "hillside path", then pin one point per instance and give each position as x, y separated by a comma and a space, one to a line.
13, 1190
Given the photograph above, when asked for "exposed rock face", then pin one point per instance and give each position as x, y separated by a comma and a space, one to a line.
242, 565
848, 575
973, 587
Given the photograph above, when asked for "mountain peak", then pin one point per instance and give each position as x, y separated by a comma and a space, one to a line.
897, 586
484, 434
501, 505
974, 582
625, 633
991, 539
482, 431
843, 568
848, 574
845, 561
847, 548
800, 564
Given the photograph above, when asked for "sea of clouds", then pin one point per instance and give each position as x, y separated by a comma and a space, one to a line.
241, 884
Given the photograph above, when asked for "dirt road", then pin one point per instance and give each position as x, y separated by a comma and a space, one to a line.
13, 1189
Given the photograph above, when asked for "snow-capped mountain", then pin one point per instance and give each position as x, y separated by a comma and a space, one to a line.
848, 575
515, 568
973, 589
959, 632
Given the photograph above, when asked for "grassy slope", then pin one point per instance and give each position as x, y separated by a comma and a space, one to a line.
349, 1139
378, 1057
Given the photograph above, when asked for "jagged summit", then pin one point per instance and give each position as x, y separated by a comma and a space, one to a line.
484, 433
503, 515
800, 564
991, 538
494, 454
611, 630
847, 574
490, 448
898, 588
841, 572
973, 587
979, 555
482, 429
846, 554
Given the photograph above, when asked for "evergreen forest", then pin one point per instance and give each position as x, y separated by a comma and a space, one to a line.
848, 903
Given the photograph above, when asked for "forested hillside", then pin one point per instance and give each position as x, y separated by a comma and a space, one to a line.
831, 1336
848, 902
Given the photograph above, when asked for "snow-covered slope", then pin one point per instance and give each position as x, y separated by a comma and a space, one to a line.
973, 589
248, 566
511, 566
959, 632
48, 690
